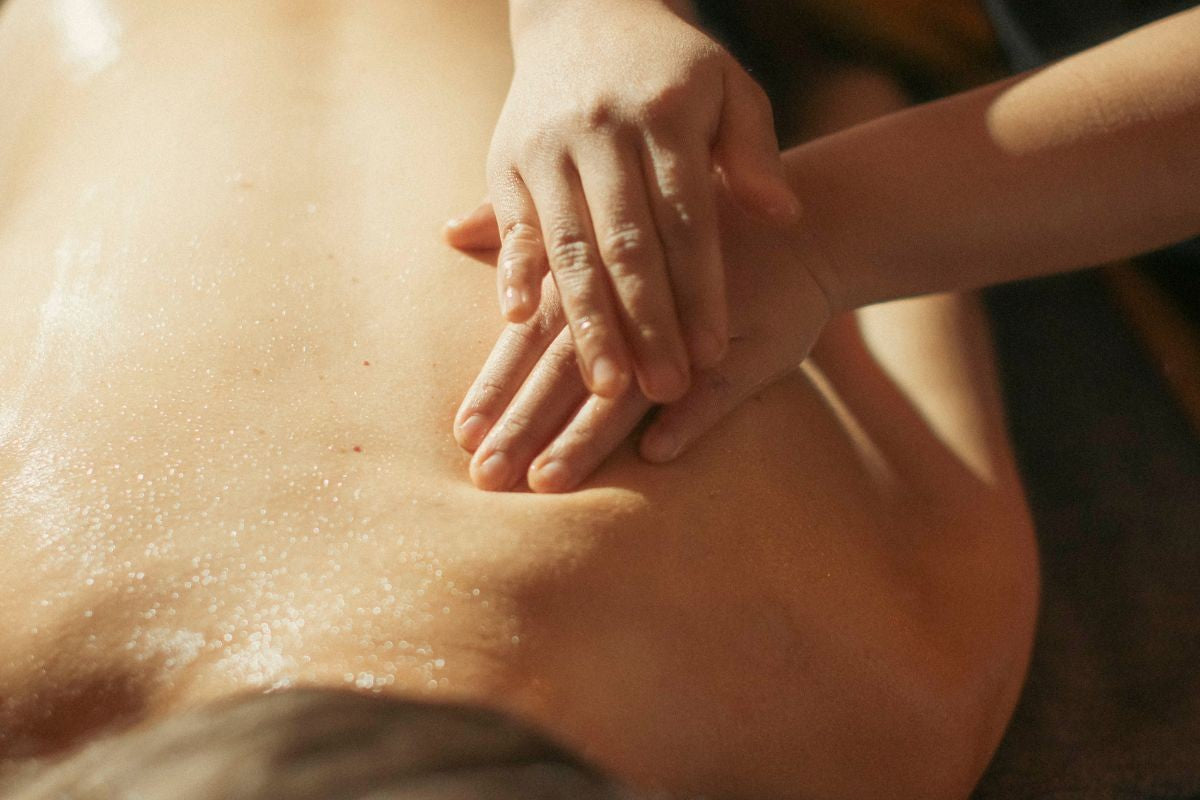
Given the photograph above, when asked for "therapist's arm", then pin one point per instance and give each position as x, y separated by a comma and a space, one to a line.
1093, 159
1090, 160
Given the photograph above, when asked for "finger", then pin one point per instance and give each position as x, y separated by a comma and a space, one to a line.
615, 189
748, 152
592, 435
583, 285
713, 395
476, 231
685, 210
522, 259
510, 362
544, 403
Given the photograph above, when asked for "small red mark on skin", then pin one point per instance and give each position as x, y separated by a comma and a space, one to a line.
366, 363
358, 448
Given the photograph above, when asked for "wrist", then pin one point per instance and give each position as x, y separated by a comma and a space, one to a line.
818, 232
858, 252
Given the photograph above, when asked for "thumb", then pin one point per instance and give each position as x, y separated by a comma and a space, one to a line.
747, 152
713, 395
476, 231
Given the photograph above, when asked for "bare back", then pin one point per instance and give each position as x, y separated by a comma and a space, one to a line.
233, 345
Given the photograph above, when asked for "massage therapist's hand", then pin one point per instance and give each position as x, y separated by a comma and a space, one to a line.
529, 413
600, 171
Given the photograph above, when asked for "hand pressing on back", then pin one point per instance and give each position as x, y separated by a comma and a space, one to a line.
529, 413
600, 171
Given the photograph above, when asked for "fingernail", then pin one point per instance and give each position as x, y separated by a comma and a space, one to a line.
606, 378
472, 431
660, 447
514, 300
551, 476
492, 474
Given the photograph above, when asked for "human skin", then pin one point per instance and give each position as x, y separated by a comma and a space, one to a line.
1090, 160
617, 112
233, 347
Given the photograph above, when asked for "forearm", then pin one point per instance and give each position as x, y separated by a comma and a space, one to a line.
1093, 159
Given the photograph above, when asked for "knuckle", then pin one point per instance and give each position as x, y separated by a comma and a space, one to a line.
487, 393
520, 232
515, 423
626, 244
524, 336
547, 320
597, 115
572, 257
560, 362
579, 441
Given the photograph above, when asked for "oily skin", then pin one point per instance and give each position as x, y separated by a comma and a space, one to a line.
226, 463
1087, 161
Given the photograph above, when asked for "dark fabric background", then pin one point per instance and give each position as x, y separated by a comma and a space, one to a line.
1112, 705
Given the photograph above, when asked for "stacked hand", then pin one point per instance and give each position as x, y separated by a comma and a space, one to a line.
600, 171
530, 414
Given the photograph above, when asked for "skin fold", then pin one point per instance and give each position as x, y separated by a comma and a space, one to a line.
234, 346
